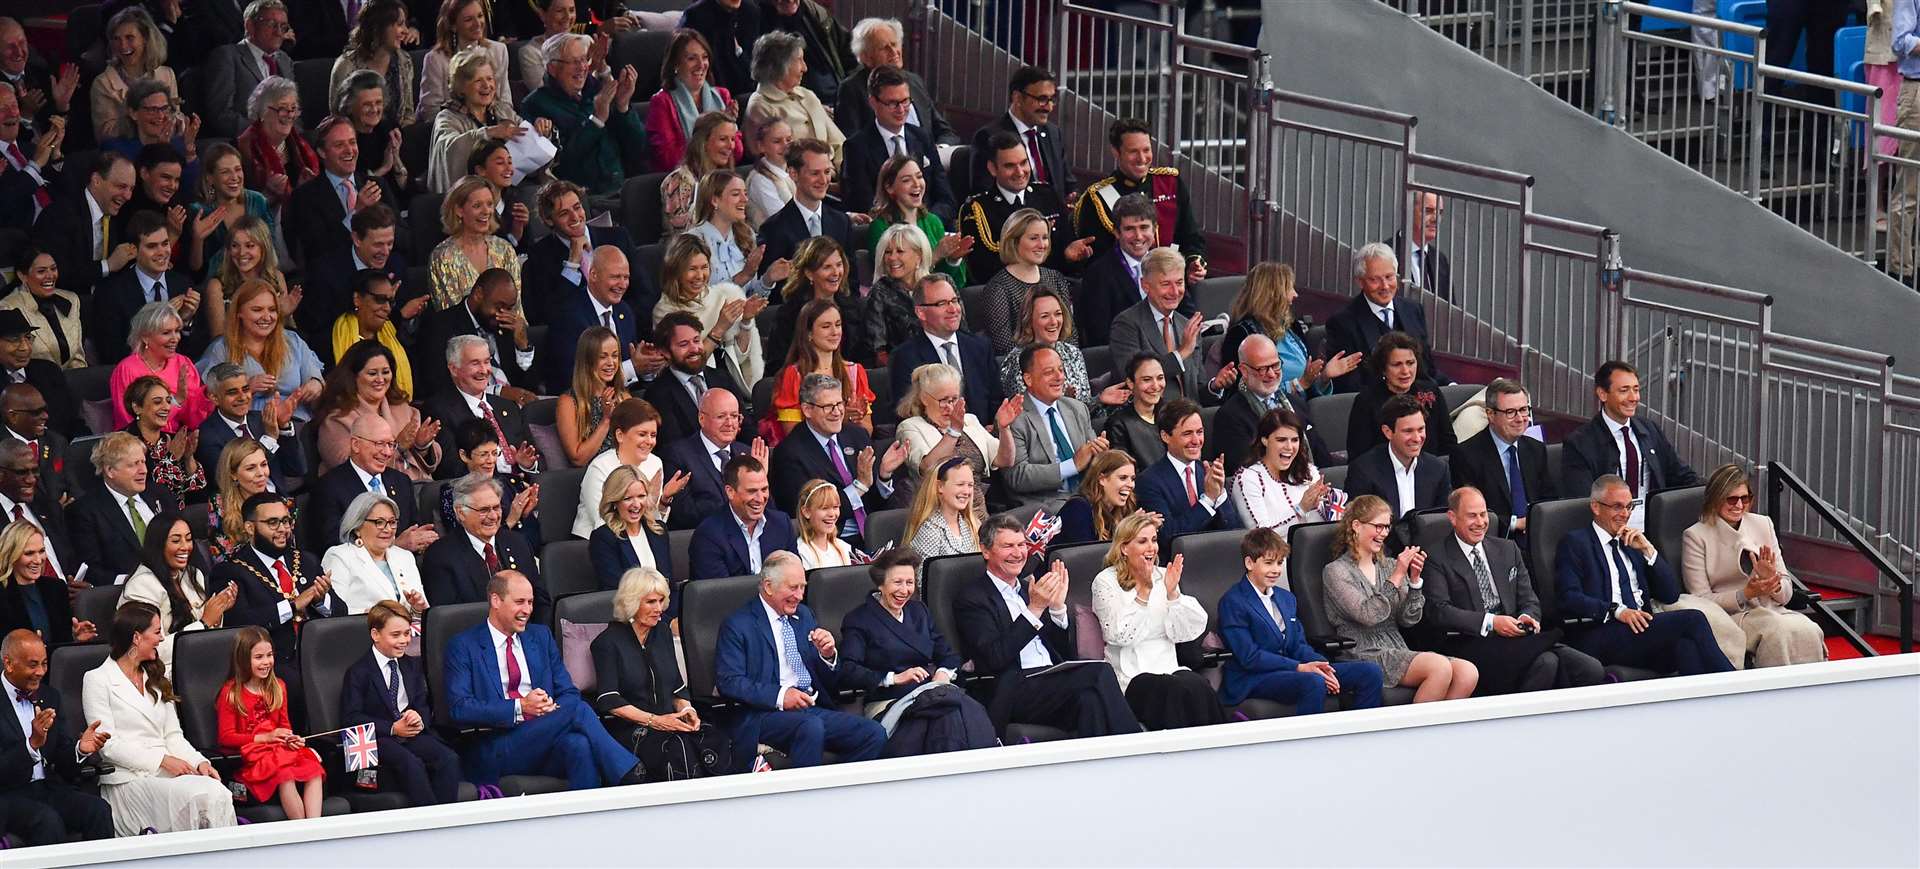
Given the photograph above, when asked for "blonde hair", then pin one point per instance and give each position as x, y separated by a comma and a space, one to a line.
457, 197
909, 237
926, 499
1266, 298
1361, 510
635, 585
809, 494
262, 235
13, 544
615, 491
924, 378
1123, 534
1012, 228
1162, 260
232, 500
154, 54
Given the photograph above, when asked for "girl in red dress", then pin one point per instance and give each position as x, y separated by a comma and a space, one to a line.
252, 709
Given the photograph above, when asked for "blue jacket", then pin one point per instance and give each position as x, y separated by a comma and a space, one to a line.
873, 639
1161, 490
614, 556
979, 371
363, 696
571, 316
473, 684
746, 667
1257, 644
1580, 575
719, 550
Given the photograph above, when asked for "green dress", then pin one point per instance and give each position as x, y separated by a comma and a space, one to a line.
934, 229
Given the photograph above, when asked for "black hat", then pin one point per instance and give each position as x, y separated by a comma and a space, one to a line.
13, 323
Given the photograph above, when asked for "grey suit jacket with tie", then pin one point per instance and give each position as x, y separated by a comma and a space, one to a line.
1035, 473
1137, 329
231, 76
1453, 591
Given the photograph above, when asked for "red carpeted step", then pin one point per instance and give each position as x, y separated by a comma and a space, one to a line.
1838, 649
1830, 593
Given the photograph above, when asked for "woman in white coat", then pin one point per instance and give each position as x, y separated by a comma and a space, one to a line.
159, 781
1143, 614
366, 567
181, 598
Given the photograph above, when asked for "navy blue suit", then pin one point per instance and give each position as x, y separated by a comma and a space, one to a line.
1355, 329
1160, 489
421, 766
543, 281
801, 457
872, 638
568, 741
865, 152
287, 463
1266, 657
706, 492
1676, 641
719, 550
980, 372
747, 669
572, 316
1371, 473
614, 556
787, 228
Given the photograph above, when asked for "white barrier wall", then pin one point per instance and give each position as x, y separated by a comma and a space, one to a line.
1810, 765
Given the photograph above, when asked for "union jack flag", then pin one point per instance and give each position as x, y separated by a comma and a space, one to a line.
1042, 528
362, 750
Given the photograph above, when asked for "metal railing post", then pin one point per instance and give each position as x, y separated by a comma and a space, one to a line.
1060, 57
1526, 40
1607, 43
1172, 59
1872, 140
1523, 331
1763, 440
1757, 131
1613, 283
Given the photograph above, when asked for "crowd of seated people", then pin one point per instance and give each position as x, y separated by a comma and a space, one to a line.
338, 372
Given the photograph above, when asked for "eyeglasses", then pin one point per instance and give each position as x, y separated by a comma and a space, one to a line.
728, 417
28, 471
284, 111
30, 411
835, 407
379, 301
949, 401
895, 105
943, 303
1522, 410
166, 108
276, 522
1379, 526
384, 524
484, 511
1265, 370
380, 445
1616, 508
1741, 500
1043, 99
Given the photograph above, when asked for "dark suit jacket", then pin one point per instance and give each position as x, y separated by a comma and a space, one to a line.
17, 187
613, 556
1258, 645
543, 286
228, 78
322, 28
363, 696
1356, 329
1160, 489
1052, 157
1436, 270
786, 229
571, 317
679, 417
329, 293
63, 407
474, 695
1107, 288
329, 496
1363, 420
851, 111
991, 639
1476, 462
1136, 329
115, 300
439, 328
101, 531
205, 26
705, 493
16, 765
985, 213
451, 408
53, 524
979, 371
452, 572
800, 458
316, 219
1590, 452
1231, 433
65, 230
871, 638
724, 29
864, 153
718, 550
746, 666
1371, 473
288, 463
258, 601
53, 601
1585, 586
1453, 592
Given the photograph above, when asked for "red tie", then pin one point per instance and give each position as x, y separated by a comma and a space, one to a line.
1033, 154
34, 446
513, 671
273, 66
493, 560
41, 197
286, 579
1193, 495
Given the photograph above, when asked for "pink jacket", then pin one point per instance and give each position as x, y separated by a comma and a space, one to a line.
665, 143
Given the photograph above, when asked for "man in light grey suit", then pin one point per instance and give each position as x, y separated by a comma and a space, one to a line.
1053, 439
233, 71
1155, 325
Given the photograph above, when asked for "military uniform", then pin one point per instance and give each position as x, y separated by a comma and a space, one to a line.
1173, 205
985, 213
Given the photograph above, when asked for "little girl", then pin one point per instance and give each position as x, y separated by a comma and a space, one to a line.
253, 721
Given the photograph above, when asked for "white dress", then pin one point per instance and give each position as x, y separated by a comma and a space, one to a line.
144, 731
836, 554
1265, 502
587, 516
1140, 637
143, 586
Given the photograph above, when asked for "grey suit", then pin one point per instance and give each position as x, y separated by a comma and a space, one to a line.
1137, 329
1035, 475
231, 75
1529, 662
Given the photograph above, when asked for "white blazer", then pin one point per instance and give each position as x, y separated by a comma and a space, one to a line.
144, 730
360, 582
143, 586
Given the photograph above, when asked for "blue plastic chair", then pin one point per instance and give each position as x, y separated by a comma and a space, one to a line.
1662, 26
1849, 62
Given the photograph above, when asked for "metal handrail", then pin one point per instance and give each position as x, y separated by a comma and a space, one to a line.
1780, 478
1691, 19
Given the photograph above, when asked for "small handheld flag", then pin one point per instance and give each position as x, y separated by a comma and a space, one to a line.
362, 750
1042, 528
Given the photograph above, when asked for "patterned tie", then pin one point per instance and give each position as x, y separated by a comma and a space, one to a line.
373, 484
493, 558
899, 146
139, 522
790, 651
1516, 484
1633, 460
1627, 598
347, 195
41, 198
393, 685
1033, 151
846, 479
720, 458
952, 357
699, 382
1489, 599
505, 462
513, 671
1193, 494
20, 695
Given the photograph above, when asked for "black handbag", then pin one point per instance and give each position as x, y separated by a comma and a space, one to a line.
670, 755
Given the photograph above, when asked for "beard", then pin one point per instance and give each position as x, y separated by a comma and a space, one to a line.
267, 547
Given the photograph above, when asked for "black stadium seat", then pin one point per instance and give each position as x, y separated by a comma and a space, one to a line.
1312, 550
97, 605
1549, 522
832, 592
645, 51
678, 543
973, 306
943, 577
1553, 472
884, 527
640, 205
423, 224
1214, 296
1329, 414
441, 625
559, 499
1670, 513
328, 648
704, 605
67, 668
1084, 562
310, 82
567, 569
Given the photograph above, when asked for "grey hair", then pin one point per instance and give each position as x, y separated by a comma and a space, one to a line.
910, 237
464, 488
222, 373
14, 449
812, 384
773, 52
924, 378
152, 317
863, 31
997, 523
261, 7
1255, 340
458, 346
930, 278
357, 511
550, 50
1503, 386
1605, 483
635, 585
269, 89
772, 568
142, 88
359, 80
7, 86
1372, 251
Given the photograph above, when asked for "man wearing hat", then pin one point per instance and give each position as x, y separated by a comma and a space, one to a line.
17, 365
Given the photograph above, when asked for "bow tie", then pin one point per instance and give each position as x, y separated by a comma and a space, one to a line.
22, 695
58, 303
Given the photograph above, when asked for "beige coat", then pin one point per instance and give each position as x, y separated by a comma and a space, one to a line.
1710, 560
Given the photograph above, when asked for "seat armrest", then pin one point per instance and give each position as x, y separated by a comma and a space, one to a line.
1330, 642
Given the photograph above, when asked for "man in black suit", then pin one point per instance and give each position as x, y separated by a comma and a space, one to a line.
829, 46
17, 365
1396, 470
703, 457
1014, 625
234, 417
470, 372
24, 412
109, 521
826, 448
318, 211
810, 163
27, 168
1012, 187
233, 70
330, 278
323, 29
158, 170
74, 229
151, 278
1260, 392
278, 586
24, 499
937, 304
388, 688
1509, 468
556, 266
868, 146
1375, 311
1134, 172
1112, 280
365, 470
690, 373
1032, 95
39, 759
1618, 442
487, 311
730, 27
1427, 265
878, 42
41, 94
458, 567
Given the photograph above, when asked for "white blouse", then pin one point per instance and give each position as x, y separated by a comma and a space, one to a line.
587, 516
1140, 637
769, 187
838, 553
359, 581
1265, 502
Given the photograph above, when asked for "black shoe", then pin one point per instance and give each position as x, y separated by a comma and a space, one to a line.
635, 776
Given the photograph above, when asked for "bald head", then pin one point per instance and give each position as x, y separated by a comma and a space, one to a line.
24, 658
1259, 364
607, 274
21, 642
720, 416
372, 446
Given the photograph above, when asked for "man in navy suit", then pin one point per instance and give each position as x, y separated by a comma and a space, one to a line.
317, 211
1618, 442
1509, 468
690, 372
601, 303
556, 266
1272, 659
72, 230
1610, 572
234, 417
937, 304
1377, 310
456, 568
703, 457
736, 541
279, 586
388, 688
333, 276
1032, 95
1397, 470
773, 658
151, 278
810, 165
365, 470
868, 147
506, 674
1429, 267
826, 448
27, 172
39, 758
103, 520
1111, 282
488, 311
1189, 494
470, 369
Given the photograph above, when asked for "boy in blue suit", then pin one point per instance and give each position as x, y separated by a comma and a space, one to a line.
777, 661
719, 547
540, 724
1271, 658
389, 689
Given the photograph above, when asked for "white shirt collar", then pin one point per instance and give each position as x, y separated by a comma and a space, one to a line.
1020, 127
887, 135
708, 445
1600, 532
953, 339
499, 639
1399, 468
1613, 426
365, 475
1041, 407
93, 209
479, 546
7, 504
599, 310
269, 560
822, 438
1008, 195
817, 213
475, 403
1378, 309
1470, 548
773, 616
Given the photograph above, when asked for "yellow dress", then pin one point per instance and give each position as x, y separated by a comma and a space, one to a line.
452, 275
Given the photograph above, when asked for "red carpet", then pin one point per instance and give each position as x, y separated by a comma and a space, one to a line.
1839, 649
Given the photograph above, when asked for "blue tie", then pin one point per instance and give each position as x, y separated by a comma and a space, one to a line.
790, 650
373, 484
393, 685
1627, 597
1515, 482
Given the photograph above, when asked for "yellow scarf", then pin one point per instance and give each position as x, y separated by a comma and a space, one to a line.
346, 333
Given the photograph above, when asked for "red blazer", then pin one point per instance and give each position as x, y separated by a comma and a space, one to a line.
666, 145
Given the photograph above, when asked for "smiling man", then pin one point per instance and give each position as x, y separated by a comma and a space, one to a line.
457, 568
1618, 442
1135, 172
738, 540
233, 71
593, 117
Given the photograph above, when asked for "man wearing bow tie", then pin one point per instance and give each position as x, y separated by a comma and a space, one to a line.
1014, 186
39, 758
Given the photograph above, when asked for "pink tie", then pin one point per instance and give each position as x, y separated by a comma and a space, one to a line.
41, 198
1193, 495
